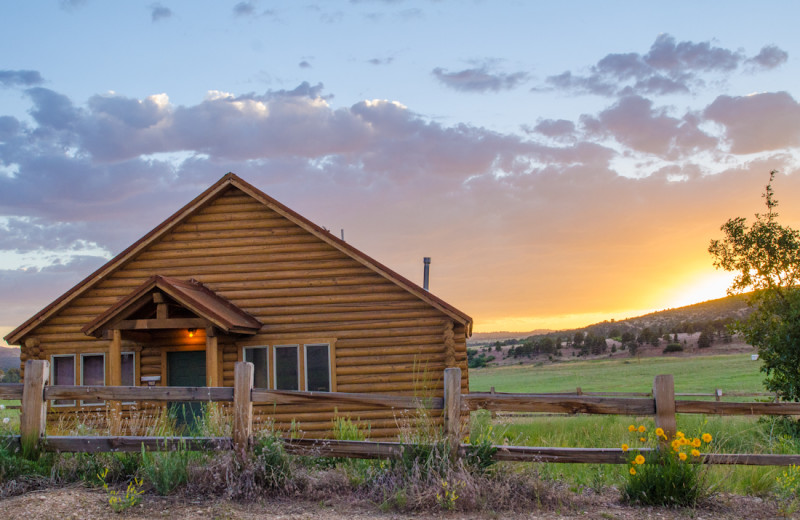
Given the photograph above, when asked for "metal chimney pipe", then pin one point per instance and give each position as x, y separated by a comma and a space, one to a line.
427, 273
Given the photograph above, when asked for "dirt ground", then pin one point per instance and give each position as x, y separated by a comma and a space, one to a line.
77, 502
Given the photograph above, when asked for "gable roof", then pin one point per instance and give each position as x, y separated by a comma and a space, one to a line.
196, 205
191, 295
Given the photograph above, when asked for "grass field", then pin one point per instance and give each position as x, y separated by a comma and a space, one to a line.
733, 372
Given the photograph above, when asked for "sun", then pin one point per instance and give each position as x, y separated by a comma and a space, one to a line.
700, 288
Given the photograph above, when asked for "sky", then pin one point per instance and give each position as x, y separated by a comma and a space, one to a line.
562, 163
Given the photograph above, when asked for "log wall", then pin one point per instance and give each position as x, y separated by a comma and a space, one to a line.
386, 339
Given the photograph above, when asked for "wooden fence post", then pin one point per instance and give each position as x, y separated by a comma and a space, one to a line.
452, 407
33, 412
664, 397
242, 407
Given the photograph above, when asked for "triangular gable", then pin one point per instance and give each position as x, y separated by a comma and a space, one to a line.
192, 296
196, 205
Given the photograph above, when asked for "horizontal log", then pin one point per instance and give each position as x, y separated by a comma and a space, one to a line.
140, 393
728, 408
262, 214
184, 236
288, 235
409, 344
377, 376
344, 449
254, 272
299, 252
11, 390
559, 455
388, 401
164, 323
258, 223
359, 330
288, 302
341, 317
284, 245
421, 386
557, 404
383, 368
135, 444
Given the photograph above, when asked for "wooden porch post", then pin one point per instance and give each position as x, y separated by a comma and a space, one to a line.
212, 358
115, 379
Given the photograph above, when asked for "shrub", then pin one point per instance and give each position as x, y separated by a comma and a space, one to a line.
166, 470
673, 347
664, 476
272, 466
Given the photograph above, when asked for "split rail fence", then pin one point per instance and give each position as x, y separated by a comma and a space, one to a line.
34, 394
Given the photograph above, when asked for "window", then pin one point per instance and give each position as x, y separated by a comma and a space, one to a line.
298, 366
62, 372
128, 369
318, 368
259, 357
287, 367
93, 373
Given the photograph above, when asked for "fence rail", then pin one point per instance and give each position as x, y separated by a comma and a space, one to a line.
34, 394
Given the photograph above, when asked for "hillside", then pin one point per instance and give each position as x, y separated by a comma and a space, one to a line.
9, 358
689, 319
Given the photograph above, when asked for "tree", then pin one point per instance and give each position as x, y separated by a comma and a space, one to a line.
766, 259
704, 341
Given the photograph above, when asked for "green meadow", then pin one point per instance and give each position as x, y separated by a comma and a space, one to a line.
732, 372
735, 372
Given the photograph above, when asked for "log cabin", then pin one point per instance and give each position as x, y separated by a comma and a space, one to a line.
237, 276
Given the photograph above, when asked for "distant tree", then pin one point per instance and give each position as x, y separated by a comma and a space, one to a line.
11, 376
766, 259
577, 339
705, 340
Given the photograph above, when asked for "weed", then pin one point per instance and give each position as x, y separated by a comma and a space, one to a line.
119, 503
166, 470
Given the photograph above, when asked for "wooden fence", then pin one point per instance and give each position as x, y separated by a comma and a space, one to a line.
35, 393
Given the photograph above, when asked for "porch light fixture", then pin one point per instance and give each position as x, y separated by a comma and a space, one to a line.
191, 332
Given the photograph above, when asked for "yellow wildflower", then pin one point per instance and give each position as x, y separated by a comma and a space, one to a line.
695, 453
642, 439
682, 456
706, 438
660, 433
642, 429
680, 435
633, 471
696, 443
625, 447
676, 445
631, 428
639, 459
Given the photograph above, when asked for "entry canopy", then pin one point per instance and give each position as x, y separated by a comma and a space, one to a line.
167, 303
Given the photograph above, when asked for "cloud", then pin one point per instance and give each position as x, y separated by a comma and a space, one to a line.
480, 79
380, 61
759, 122
158, 12
635, 123
551, 197
770, 57
669, 67
304, 65
20, 78
244, 9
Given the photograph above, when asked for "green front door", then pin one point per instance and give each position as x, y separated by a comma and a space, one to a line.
186, 369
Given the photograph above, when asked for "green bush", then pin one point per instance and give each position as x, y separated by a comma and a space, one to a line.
673, 347
273, 467
166, 470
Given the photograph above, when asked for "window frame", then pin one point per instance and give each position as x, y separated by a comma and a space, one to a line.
267, 350
274, 349
305, 365
53, 402
132, 353
271, 343
84, 355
